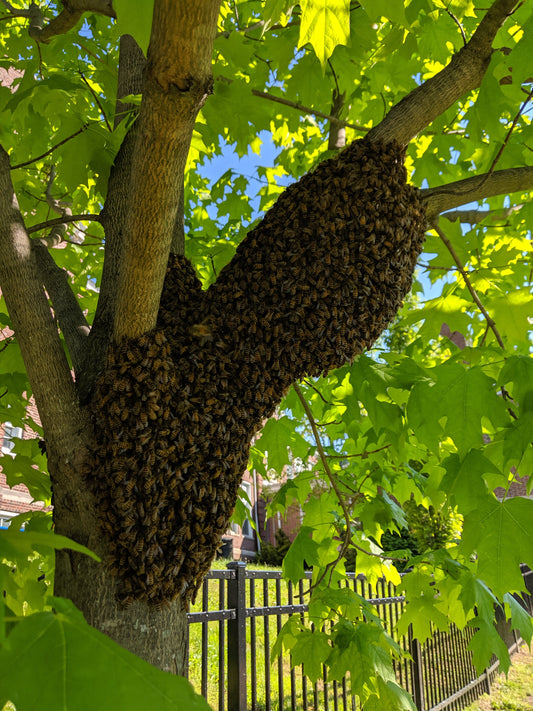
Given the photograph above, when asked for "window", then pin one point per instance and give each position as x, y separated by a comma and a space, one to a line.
5, 518
10, 433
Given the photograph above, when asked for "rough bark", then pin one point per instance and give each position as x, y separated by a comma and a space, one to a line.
63, 422
159, 636
69, 315
461, 192
432, 98
113, 217
177, 81
71, 14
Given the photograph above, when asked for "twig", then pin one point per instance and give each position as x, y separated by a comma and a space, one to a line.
468, 283
509, 132
484, 337
363, 455
15, 12
459, 25
306, 109
54, 147
334, 75
213, 265
376, 555
310, 385
96, 98
333, 481
430, 266
507, 397
257, 25
61, 220
5, 344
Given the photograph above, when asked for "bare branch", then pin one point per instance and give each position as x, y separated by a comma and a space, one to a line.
474, 217
113, 217
97, 100
363, 455
333, 481
337, 132
14, 11
500, 182
54, 147
432, 98
62, 208
306, 109
87, 217
509, 132
66, 306
490, 322
71, 14
46, 364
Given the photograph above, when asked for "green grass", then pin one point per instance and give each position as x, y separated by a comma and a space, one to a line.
280, 670
511, 693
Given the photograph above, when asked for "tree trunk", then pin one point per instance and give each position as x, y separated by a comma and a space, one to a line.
159, 636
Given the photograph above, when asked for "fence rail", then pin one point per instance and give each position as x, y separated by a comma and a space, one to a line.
241, 612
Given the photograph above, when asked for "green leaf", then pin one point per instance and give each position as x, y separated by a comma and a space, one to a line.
16, 544
520, 619
391, 9
325, 24
512, 312
500, 533
486, 642
56, 660
134, 17
303, 550
463, 396
275, 11
464, 481
518, 370
391, 696
311, 649
277, 436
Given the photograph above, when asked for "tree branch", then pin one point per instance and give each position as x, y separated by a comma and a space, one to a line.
54, 147
35, 328
337, 132
500, 182
333, 481
88, 217
474, 217
177, 82
490, 321
307, 110
71, 14
114, 214
66, 306
432, 98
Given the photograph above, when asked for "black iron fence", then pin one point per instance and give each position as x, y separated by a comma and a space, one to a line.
240, 613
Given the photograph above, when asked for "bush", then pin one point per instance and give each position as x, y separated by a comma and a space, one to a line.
273, 555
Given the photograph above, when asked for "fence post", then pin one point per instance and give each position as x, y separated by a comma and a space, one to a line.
237, 638
417, 673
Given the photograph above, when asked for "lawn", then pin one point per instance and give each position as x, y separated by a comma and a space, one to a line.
511, 693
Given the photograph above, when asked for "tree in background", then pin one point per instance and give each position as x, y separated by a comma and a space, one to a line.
177, 360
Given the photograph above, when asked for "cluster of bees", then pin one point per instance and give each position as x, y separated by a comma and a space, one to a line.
313, 285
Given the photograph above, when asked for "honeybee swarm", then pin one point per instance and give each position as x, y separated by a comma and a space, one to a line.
313, 285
